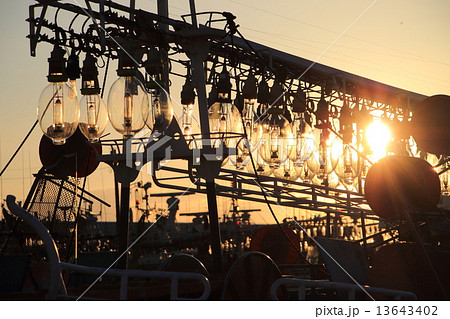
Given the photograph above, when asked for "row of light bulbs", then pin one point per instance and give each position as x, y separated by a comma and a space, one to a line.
280, 139
128, 111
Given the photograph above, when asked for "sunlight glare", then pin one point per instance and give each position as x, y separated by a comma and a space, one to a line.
378, 136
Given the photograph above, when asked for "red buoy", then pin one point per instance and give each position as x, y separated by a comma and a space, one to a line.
271, 241
76, 157
396, 184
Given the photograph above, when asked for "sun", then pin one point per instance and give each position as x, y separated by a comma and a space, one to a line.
378, 137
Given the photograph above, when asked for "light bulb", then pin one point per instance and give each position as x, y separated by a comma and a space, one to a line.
128, 106
304, 141
58, 112
93, 112
277, 139
250, 95
161, 114
187, 100
240, 159
326, 153
224, 119
58, 108
262, 168
287, 171
93, 117
186, 121
349, 166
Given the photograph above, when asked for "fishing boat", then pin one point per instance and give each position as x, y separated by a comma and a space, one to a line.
277, 131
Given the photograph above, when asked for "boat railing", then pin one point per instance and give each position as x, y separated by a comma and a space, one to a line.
55, 281
126, 274
57, 289
301, 285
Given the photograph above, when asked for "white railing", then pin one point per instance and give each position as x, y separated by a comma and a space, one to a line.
300, 285
126, 274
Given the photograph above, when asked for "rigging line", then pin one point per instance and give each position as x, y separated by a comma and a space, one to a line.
20, 146
295, 38
324, 29
258, 183
400, 73
322, 54
135, 241
131, 57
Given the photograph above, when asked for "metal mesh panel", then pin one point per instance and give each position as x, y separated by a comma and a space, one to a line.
54, 204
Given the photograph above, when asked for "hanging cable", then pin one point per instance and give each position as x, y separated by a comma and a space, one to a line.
20, 146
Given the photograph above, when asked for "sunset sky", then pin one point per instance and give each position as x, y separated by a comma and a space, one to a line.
403, 43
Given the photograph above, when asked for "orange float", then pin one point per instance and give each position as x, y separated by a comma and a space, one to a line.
396, 184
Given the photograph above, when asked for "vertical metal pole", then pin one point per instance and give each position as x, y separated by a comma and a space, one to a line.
163, 10
199, 81
117, 200
214, 225
124, 223
328, 227
193, 13
124, 218
363, 231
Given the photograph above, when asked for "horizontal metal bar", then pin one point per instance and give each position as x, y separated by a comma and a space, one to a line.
350, 288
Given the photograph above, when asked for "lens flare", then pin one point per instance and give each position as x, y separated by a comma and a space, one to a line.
378, 137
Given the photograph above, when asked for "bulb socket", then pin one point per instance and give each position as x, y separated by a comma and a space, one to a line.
89, 74
154, 63
250, 89
187, 93
73, 66
322, 112
299, 102
263, 93
127, 65
224, 87
57, 65
276, 94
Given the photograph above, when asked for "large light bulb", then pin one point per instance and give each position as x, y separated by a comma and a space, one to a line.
93, 112
250, 95
262, 168
277, 139
326, 153
128, 106
58, 112
348, 166
93, 117
304, 141
58, 108
287, 171
161, 113
224, 119
187, 100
